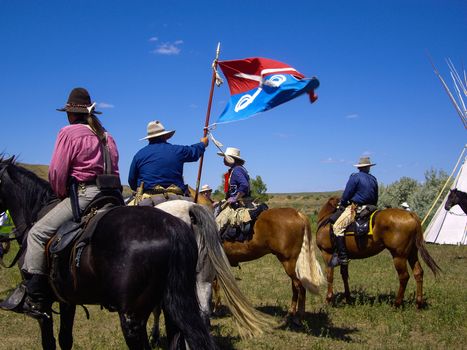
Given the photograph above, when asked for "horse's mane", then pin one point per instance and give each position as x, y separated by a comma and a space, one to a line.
35, 192
327, 209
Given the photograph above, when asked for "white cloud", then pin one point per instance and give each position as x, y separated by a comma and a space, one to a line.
194, 106
153, 38
351, 116
169, 48
331, 160
105, 105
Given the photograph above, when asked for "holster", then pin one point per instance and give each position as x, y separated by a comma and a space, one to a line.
73, 189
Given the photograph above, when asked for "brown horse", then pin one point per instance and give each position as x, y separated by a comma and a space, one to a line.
286, 233
394, 229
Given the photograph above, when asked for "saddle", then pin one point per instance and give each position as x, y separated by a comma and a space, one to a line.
363, 220
63, 251
242, 231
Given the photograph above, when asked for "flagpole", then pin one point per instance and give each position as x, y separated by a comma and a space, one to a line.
208, 114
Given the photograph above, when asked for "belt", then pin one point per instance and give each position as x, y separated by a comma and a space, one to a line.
161, 190
87, 183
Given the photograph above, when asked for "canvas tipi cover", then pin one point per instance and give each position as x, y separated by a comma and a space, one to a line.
450, 227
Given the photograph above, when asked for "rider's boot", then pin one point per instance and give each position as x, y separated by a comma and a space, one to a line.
37, 303
341, 257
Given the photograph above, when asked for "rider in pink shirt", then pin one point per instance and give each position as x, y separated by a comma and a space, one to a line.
77, 160
78, 154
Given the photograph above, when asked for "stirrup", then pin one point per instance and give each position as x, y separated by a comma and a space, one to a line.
14, 300
35, 309
336, 261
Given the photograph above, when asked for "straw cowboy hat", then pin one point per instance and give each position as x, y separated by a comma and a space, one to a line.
363, 162
156, 129
205, 188
79, 101
231, 152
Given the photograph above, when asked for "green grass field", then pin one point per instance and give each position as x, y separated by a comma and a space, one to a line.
370, 323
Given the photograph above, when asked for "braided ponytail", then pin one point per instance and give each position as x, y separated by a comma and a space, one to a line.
96, 126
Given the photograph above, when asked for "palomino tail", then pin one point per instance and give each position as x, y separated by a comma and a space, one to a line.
249, 321
307, 266
421, 246
180, 302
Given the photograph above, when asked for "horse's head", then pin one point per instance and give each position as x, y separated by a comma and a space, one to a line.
453, 199
4, 164
22, 192
328, 208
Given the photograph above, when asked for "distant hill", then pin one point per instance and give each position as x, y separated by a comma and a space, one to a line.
43, 172
307, 202
40, 170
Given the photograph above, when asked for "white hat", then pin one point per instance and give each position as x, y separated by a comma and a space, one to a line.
404, 205
231, 152
205, 188
363, 162
156, 129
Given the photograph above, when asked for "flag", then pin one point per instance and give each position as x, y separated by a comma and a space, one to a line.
259, 84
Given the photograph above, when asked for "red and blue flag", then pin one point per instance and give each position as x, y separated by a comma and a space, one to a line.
259, 84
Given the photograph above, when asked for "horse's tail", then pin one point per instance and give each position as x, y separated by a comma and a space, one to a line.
248, 320
180, 302
307, 266
421, 246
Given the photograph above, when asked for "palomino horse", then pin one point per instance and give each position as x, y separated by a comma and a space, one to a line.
138, 257
213, 262
286, 233
456, 197
394, 229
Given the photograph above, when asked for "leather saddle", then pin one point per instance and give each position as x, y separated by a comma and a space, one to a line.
243, 231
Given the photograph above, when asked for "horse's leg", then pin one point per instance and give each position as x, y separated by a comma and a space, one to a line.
289, 266
345, 279
67, 317
329, 276
293, 306
47, 333
401, 266
216, 295
418, 276
301, 301
155, 332
134, 331
204, 293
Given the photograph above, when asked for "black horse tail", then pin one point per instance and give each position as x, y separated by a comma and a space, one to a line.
180, 303
421, 246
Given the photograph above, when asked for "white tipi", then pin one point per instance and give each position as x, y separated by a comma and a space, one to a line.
450, 227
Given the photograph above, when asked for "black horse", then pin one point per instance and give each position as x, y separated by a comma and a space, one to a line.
137, 259
456, 197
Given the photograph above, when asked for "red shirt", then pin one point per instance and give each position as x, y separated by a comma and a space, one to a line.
78, 153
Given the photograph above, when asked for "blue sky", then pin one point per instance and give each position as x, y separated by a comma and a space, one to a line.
150, 60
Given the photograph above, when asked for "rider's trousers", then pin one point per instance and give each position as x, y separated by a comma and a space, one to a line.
46, 227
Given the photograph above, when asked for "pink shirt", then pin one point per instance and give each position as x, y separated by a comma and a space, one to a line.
78, 153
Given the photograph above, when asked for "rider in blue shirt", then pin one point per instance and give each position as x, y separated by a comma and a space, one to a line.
161, 163
236, 180
361, 189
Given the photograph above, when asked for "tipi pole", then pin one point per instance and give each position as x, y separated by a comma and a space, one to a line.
208, 114
445, 184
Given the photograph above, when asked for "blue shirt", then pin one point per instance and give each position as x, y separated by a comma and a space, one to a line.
362, 188
161, 163
239, 181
